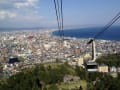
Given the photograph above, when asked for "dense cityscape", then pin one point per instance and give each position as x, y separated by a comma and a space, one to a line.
24, 49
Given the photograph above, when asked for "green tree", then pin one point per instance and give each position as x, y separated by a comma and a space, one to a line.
81, 72
53, 87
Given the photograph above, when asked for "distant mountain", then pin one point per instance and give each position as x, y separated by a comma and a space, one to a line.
26, 28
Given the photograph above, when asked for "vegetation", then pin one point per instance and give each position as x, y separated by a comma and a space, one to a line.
81, 72
101, 81
106, 83
50, 77
42, 77
21, 59
73, 85
110, 60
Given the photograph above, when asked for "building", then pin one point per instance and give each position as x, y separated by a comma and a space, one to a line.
80, 61
118, 69
103, 68
87, 56
66, 44
113, 69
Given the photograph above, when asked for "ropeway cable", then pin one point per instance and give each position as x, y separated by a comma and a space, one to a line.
62, 25
103, 30
106, 27
59, 15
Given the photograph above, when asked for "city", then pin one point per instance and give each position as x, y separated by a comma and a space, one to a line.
59, 44
28, 48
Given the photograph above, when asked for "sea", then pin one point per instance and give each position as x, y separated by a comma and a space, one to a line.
113, 33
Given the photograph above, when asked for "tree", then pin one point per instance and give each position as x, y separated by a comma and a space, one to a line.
80, 88
53, 87
81, 72
110, 60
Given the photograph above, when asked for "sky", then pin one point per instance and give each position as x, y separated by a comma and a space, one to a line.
41, 13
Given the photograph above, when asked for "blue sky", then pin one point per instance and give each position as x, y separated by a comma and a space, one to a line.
41, 13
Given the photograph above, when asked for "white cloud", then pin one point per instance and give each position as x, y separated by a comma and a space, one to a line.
27, 3
7, 14
21, 13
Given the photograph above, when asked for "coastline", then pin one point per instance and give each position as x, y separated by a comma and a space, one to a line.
76, 33
86, 33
